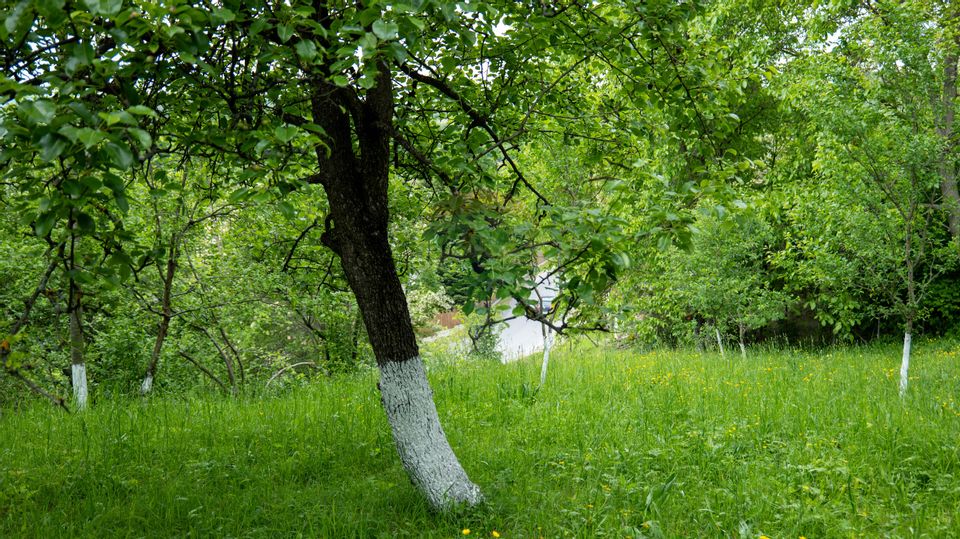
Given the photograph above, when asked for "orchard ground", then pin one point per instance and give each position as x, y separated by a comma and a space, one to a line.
618, 443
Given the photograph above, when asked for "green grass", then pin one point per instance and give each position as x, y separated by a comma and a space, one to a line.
673, 444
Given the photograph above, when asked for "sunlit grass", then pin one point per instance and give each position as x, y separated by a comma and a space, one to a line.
618, 443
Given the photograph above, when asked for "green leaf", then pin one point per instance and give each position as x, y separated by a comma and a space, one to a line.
417, 22
306, 49
285, 133
369, 44
366, 82
385, 30
285, 32
81, 55
286, 209
239, 194
119, 154
51, 146
44, 223
119, 116
52, 10
40, 111
81, 276
122, 203
17, 18
142, 110
125, 271
314, 128
144, 138
114, 183
85, 223
69, 131
106, 8
224, 14
120, 258
90, 183
90, 137
73, 188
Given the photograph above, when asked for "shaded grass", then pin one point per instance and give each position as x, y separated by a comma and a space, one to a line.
618, 443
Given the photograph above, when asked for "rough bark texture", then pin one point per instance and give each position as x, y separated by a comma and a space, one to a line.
948, 178
420, 439
354, 169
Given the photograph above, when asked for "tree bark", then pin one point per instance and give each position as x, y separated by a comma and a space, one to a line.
166, 314
743, 346
719, 342
905, 361
947, 170
78, 368
547, 343
356, 187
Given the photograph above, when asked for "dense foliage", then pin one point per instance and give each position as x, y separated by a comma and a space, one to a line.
687, 171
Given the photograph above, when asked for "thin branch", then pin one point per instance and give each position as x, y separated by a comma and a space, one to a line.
55, 399
203, 369
296, 242
288, 367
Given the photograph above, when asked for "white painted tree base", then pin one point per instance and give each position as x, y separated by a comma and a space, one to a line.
547, 343
905, 364
78, 376
421, 442
147, 385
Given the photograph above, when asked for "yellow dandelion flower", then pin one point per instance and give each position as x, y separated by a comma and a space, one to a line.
466, 531
495, 533
764, 537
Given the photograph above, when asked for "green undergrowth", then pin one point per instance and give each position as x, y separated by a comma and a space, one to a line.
617, 444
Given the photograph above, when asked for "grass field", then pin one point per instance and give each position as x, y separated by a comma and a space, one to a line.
618, 444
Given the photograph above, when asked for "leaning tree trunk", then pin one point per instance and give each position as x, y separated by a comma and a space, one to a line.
356, 187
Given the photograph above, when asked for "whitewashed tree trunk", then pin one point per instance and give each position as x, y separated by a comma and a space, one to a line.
78, 367
743, 347
147, 384
905, 364
547, 343
78, 377
420, 439
355, 175
720, 342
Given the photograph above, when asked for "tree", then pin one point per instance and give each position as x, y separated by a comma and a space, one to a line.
875, 140
282, 95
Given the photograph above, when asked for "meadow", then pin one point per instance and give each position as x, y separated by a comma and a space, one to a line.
619, 443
